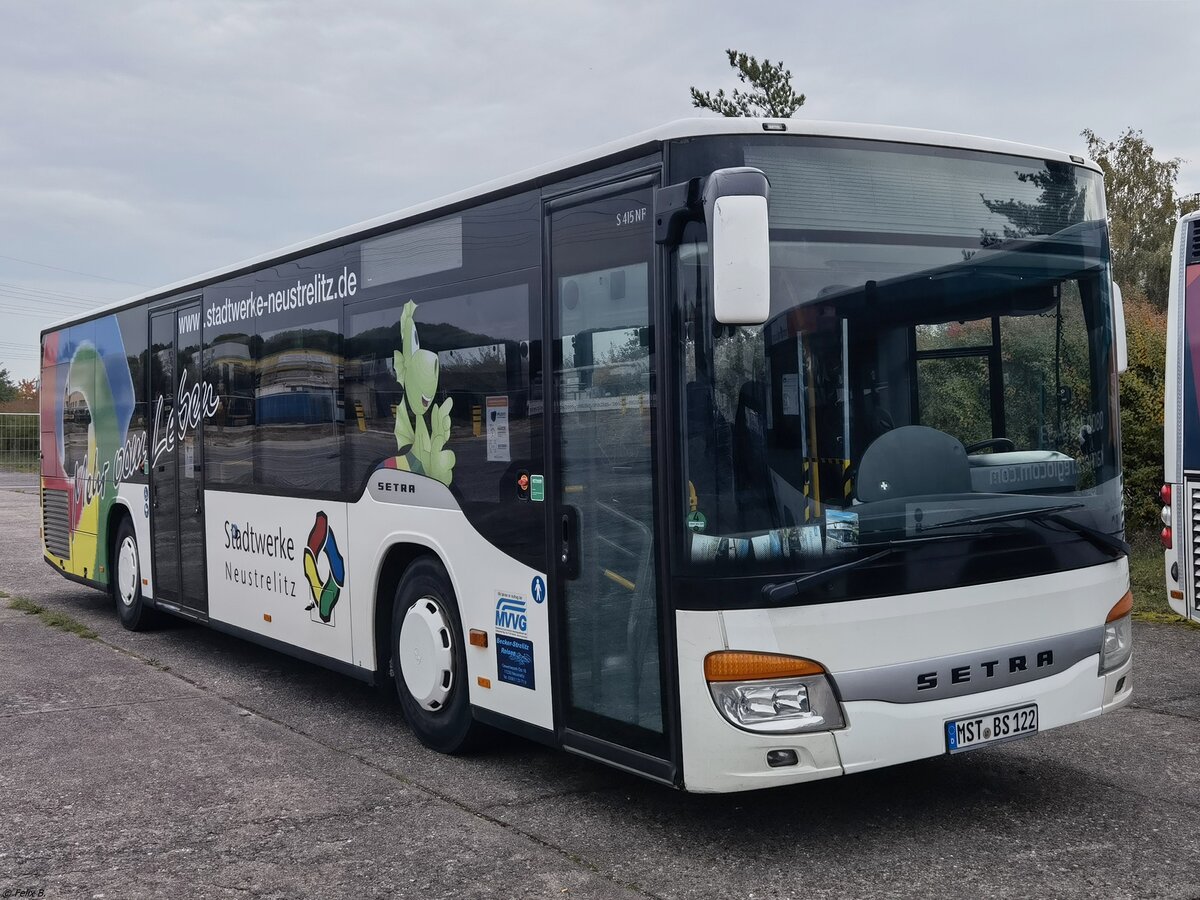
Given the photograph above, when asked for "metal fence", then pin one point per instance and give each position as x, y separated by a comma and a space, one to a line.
19, 456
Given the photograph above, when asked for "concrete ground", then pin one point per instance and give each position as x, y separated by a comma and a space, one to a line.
181, 762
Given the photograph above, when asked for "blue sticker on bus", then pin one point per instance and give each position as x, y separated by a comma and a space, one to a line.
514, 660
510, 613
538, 589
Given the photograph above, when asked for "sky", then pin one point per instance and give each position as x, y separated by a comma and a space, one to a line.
146, 142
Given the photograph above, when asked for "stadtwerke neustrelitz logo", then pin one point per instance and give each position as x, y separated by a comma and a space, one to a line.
327, 589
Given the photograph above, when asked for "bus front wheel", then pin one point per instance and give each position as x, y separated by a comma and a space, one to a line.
428, 660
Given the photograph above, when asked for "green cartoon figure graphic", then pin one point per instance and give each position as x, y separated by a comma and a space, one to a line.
420, 443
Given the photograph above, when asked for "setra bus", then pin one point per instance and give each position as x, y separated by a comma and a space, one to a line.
1181, 421
737, 453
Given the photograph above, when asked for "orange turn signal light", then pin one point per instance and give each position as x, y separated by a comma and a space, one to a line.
1123, 607
749, 665
478, 638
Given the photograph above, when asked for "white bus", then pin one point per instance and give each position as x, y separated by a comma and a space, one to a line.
1181, 421
737, 453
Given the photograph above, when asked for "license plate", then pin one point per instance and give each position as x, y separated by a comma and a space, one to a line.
991, 728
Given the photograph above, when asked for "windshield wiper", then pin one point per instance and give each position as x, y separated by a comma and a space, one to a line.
1094, 536
778, 593
784, 591
781, 593
1005, 516
1043, 514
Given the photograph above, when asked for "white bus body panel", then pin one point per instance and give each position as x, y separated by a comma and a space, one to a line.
480, 574
264, 589
136, 499
269, 594
874, 633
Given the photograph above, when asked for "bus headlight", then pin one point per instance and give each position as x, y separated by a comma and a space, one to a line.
772, 693
1118, 636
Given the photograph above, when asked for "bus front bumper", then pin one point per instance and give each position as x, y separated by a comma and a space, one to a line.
882, 734
718, 756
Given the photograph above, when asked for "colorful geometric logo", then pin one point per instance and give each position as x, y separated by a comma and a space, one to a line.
325, 592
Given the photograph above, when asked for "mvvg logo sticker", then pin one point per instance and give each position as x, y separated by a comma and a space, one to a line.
510, 614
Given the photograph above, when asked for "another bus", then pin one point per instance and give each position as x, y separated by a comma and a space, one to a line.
1181, 421
737, 453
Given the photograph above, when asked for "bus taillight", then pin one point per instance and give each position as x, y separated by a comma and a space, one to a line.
1166, 537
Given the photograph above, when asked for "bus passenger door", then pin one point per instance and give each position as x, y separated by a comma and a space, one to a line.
177, 460
602, 483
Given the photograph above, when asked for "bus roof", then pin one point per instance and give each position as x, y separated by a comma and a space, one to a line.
679, 129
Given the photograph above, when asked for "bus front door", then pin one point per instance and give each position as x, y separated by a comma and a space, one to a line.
177, 468
602, 479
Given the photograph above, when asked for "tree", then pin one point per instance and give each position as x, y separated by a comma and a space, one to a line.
1142, 410
27, 389
771, 94
8, 390
1142, 208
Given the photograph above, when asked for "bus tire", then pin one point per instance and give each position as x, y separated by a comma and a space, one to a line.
429, 663
125, 579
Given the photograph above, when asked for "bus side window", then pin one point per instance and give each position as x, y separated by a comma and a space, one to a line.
480, 339
296, 403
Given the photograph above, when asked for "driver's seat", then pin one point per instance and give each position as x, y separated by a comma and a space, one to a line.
912, 461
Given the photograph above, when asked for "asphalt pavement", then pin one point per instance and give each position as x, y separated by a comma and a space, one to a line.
182, 762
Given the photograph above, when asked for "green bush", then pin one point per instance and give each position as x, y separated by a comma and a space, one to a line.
1142, 410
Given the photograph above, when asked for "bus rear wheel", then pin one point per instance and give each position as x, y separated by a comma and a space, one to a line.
125, 580
429, 662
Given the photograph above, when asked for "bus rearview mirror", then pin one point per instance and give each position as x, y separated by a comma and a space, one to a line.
1120, 342
735, 208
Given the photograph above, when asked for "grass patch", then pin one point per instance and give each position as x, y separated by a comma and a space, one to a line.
1146, 578
1171, 618
1147, 581
54, 619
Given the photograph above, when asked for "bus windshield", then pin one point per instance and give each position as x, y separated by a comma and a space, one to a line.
936, 362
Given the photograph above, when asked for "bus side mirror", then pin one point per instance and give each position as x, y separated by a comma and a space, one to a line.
1120, 342
735, 208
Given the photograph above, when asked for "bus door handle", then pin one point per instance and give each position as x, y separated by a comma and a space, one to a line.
569, 542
